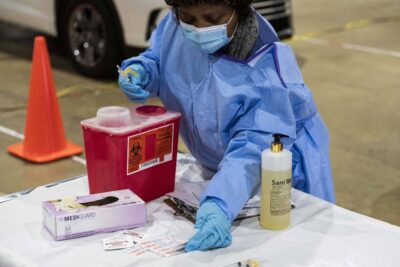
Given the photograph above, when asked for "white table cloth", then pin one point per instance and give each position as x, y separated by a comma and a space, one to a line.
320, 235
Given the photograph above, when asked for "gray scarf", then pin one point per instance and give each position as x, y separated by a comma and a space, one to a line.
245, 37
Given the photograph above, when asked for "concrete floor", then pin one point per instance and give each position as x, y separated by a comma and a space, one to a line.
353, 73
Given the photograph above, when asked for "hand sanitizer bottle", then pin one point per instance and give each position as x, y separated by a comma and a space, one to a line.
276, 184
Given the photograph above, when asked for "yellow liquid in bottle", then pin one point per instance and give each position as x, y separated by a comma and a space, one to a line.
275, 199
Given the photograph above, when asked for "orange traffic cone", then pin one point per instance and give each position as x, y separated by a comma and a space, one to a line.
44, 131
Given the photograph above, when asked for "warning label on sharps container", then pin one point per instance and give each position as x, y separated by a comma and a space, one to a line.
150, 148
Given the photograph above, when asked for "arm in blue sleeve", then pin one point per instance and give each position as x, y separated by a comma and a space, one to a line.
238, 175
150, 58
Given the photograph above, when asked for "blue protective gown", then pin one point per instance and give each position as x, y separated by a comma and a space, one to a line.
231, 108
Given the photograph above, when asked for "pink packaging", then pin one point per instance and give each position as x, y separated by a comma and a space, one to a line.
88, 215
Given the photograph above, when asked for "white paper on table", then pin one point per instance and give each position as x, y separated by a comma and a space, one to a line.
190, 194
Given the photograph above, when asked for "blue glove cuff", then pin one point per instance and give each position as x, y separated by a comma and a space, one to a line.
221, 204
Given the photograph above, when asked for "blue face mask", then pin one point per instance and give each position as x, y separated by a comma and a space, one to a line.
210, 39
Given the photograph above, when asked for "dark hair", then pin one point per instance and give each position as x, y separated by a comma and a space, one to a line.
242, 9
232, 3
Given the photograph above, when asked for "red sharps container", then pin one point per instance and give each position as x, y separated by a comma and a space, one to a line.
133, 148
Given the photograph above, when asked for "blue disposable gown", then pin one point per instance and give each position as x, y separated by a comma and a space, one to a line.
230, 109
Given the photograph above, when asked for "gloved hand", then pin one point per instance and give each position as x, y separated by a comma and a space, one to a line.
214, 228
132, 81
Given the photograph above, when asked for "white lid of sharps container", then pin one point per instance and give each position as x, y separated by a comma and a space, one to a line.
119, 120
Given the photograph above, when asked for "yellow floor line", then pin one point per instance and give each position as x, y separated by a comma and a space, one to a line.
352, 25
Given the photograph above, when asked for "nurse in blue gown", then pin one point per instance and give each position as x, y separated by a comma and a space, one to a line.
221, 65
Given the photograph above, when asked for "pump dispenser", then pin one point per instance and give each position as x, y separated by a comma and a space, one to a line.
276, 184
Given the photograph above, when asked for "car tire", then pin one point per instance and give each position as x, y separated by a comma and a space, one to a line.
91, 37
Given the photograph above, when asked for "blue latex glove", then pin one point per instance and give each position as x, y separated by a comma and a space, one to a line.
132, 81
214, 228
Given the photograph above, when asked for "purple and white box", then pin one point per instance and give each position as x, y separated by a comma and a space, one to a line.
98, 213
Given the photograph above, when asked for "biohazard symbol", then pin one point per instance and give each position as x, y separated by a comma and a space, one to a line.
136, 149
